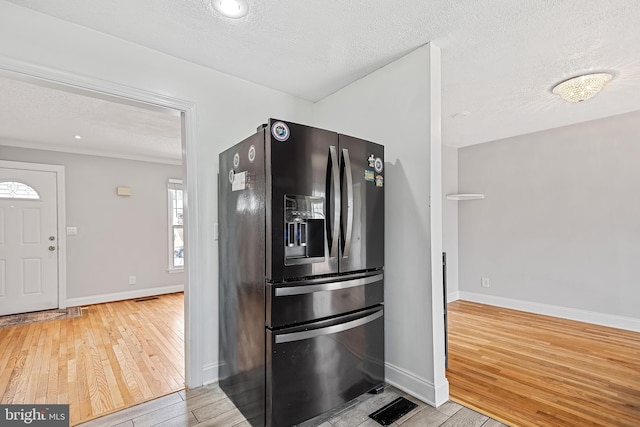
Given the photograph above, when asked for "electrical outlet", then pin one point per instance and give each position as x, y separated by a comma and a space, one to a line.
484, 282
132, 280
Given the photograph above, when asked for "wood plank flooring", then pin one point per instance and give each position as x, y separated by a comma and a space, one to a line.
114, 356
210, 407
531, 370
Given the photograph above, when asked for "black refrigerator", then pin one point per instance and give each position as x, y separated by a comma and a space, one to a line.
301, 284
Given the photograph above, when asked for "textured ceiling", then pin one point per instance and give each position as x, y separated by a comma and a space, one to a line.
35, 116
499, 58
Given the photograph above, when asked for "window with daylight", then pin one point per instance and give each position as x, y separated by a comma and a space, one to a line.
176, 225
17, 190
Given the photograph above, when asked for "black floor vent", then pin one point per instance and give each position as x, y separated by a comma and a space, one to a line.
393, 411
145, 299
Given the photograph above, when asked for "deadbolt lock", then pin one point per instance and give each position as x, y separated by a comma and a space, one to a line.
52, 238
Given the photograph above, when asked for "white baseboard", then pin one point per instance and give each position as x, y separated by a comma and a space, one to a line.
418, 387
620, 322
210, 373
453, 296
119, 296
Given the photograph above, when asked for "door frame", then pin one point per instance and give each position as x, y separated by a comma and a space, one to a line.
61, 222
76, 83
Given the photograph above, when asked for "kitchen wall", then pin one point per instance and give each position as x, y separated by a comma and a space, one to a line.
117, 236
559, 229
227, 110
450, 218
395, 106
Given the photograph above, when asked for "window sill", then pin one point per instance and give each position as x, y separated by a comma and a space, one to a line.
175, 270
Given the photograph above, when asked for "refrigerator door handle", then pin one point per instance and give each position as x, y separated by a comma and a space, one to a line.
335, 175
341, 327
349, 231
333, 286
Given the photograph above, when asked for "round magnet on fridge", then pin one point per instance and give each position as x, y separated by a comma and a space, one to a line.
280, 131
378, 165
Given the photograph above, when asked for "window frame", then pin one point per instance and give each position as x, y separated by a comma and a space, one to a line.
32, 193
173, 185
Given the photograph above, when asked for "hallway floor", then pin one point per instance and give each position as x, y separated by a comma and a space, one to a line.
209, 407
114, 356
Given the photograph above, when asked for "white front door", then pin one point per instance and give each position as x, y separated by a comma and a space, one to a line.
28, 241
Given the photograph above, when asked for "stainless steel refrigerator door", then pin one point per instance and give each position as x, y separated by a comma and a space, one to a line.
362, 219
318, 367
241, 212
298, 302
301, 163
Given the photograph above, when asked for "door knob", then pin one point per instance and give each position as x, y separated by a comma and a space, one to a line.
52, 248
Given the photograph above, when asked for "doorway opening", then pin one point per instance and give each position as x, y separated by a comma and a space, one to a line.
110, 94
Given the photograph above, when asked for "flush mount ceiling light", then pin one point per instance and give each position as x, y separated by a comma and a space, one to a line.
231, 8
583, 87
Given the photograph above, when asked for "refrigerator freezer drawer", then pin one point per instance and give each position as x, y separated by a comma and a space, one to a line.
299, 302
315, 368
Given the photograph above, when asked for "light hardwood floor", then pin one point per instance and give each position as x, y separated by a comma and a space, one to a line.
531, 370
114, 356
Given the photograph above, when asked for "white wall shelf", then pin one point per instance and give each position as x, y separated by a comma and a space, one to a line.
465, 196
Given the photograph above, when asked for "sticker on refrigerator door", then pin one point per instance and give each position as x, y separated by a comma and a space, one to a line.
236, 160
379, 181
252, 153
280, 131
369, 175
239, 181
372, 161
378, 165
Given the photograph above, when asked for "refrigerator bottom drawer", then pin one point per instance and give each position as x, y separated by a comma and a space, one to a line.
314, 369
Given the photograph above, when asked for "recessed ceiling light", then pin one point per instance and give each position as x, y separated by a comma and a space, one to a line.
231, 8
583, 87
77, 137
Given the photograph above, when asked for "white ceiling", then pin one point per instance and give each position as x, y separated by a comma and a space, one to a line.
48, 116
500, 59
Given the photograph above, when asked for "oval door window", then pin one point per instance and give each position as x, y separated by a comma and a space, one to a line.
17, 190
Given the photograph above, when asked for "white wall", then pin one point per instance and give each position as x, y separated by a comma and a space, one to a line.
559, 228
392, 106
450, 218
228, 109
117, 236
